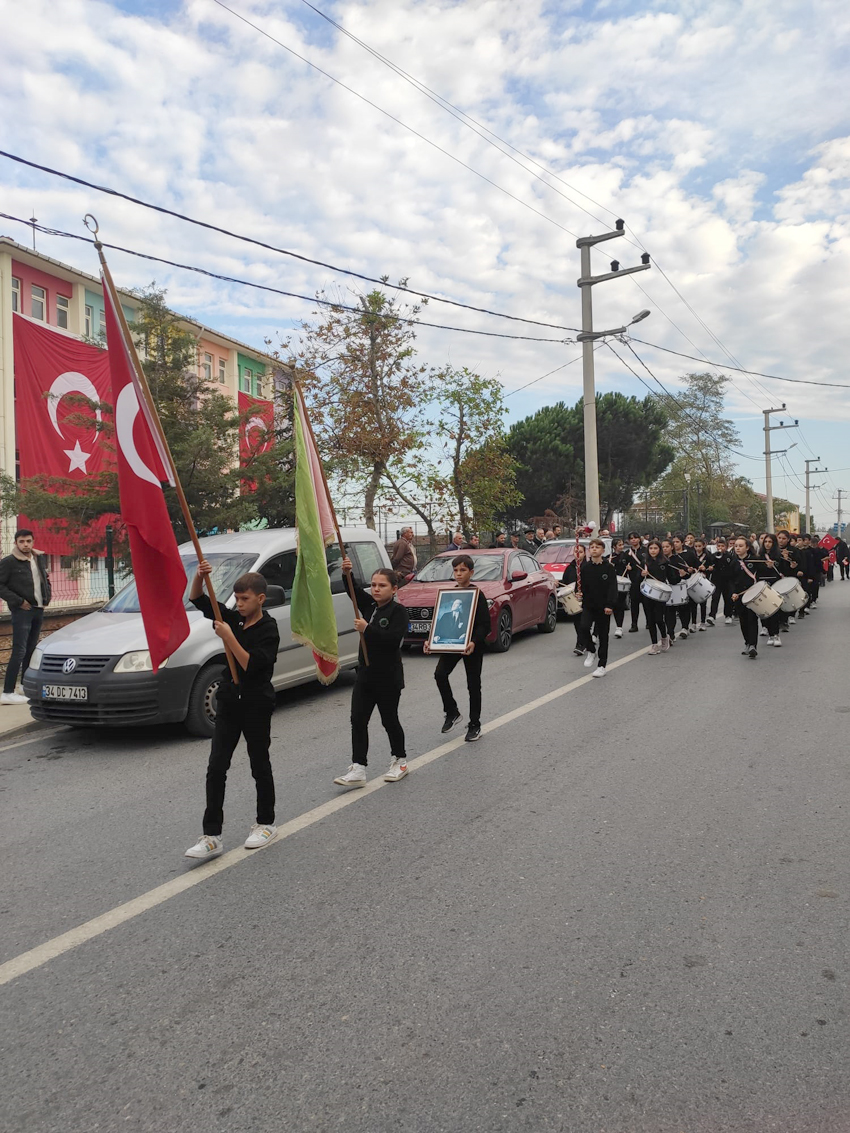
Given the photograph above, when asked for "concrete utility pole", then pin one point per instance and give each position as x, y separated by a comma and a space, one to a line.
809, 486
839, 493
587, 337
768, 429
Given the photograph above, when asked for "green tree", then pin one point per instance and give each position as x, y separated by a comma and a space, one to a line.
544, 449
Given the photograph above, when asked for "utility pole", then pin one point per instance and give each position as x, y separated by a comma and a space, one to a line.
699, 507
839, 493
809, 486
770, 526
587, 338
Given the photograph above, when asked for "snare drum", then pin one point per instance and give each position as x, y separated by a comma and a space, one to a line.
699, 588
762, 600
792, 594
656, 591
679, 594
570, 600
624, 583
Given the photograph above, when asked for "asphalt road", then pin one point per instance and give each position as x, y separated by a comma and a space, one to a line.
625, 910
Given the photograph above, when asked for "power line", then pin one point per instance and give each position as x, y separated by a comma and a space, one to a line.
739, 369
267, 287
542, 376
271, 247
392, 117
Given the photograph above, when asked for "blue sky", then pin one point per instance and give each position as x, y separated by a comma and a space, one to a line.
719, 131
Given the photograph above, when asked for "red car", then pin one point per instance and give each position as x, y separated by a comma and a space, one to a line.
519, 594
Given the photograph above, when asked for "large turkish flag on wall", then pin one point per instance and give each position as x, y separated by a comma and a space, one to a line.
52, 370
256, 431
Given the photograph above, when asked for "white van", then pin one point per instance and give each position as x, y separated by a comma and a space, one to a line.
96, 672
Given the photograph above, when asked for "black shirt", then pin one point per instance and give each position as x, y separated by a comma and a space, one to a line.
598, 585
383, 636
260, 641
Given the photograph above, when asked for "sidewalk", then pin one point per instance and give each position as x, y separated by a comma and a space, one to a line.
15, 720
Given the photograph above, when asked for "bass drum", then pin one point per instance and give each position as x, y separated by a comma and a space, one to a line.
679, 594
793, 595
656, 591
762, 599
699, 588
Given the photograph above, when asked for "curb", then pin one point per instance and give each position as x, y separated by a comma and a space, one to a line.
22, 730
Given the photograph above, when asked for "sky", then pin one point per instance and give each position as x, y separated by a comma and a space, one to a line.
720, 133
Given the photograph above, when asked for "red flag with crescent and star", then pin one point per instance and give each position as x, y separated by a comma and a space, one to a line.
143, 467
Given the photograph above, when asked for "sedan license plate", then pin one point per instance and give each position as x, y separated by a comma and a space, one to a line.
418, 627
64, 692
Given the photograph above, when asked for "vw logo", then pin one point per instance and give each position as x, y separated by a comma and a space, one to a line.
424, 613
69, 664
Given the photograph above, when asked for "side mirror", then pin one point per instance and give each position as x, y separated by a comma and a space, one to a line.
409, 577
518, 575
275, 596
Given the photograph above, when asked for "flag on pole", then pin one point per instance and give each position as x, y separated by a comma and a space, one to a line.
312, 615
143, 467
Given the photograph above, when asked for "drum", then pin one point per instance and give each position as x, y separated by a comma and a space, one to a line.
762, 599
792, 594
656, 591
679, 594
624, 583
699, 588
569, 599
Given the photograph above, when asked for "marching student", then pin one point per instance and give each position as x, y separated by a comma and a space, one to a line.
622, 562
657, 567
383, 623
599, 594
842, 557
746, 571
462, 568
570, 576
638, 555
794, 567
242, 709
703, 564
820, 566
685, 561
675, 576
806, 560
769, 554
720, 563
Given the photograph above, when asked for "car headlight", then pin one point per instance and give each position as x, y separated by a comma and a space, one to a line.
137, 662
35, 661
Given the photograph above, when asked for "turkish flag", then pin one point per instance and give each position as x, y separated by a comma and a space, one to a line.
142, 468
256, 429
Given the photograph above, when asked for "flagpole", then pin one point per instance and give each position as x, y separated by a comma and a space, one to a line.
154, 415
348, 578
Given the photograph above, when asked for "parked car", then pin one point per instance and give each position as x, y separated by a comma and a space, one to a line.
556, 555
519, 594
96, 672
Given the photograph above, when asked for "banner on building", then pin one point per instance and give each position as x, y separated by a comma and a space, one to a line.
256, 429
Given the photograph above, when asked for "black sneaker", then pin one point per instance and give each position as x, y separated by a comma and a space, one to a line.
473, 733
753, 653
633, 629
451, 719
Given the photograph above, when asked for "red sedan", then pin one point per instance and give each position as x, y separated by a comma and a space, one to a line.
519, 594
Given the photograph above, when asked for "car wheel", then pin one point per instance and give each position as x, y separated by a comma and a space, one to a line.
504, 632
550, 622
200, 719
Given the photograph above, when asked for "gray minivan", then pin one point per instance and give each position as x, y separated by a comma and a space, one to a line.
96, 672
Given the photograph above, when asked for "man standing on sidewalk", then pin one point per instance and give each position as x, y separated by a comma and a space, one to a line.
25, 588
403, 554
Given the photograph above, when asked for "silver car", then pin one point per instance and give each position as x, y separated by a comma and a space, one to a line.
96, 672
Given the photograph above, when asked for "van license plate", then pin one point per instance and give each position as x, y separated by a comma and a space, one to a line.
419, 627
64, 692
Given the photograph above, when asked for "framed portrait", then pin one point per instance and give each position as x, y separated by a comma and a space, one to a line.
454, 613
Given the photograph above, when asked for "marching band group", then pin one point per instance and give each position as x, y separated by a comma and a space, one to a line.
765, 586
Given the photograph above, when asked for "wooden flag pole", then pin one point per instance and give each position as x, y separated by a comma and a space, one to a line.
348, 578
154, 416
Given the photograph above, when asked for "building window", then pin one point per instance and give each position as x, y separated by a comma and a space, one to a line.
62, 304
206, 369
222, 371
89, 321
102, 320
247, 376
39, 299
16, 294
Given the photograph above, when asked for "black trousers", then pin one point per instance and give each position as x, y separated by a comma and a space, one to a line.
845, 570
26, 626
749, 623
698, 608
253, 721
575, 622
814, 590
446, 666
595, 621
724, 590
620, 607
637, 601
656, 619
367, 695
684, 614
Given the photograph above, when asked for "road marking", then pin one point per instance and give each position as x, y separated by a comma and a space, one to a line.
40, 735
51, 949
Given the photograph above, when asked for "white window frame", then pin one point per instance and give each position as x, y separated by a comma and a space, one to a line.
101, 321
16, 295
222, 371
42, 300
88, 321
206, 367
63, 310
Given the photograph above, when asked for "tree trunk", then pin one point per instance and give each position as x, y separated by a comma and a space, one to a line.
426, 519
372, 485
457, 483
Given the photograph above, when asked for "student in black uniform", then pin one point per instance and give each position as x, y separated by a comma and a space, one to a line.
622, 563
598, 595
462, 567
820, 566
842, 557
674, 577
790, 566
638, 558
720, 563
569, 576
657, 567
703, 563
768, 553
684, 561
378, 684
746, 571
243, 709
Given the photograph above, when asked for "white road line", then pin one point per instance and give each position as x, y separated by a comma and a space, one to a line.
51, 949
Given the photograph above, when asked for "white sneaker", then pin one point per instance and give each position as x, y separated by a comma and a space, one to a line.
682, 634
728, 621
709, 621
813, 606
355, 776
599, 671
618, 632
702, 627
590, 661
396, 770
692, 628
777, 643
763, 631
12, 698
769, 639
207, 846
261, 833
792, 621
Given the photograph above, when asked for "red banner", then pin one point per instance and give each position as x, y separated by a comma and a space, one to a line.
256, 429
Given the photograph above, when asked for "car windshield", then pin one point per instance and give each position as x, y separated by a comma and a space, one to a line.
488, 568
226, 568
555, 552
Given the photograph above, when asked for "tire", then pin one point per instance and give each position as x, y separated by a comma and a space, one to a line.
504, 631
200, 719
550, 622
